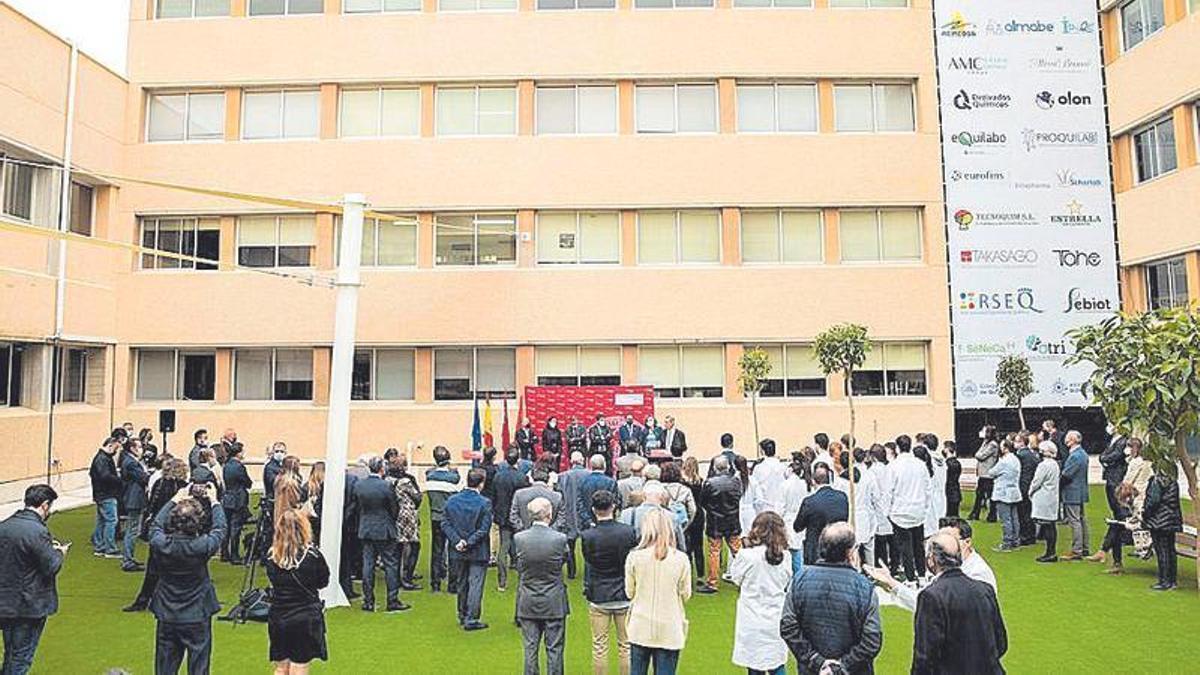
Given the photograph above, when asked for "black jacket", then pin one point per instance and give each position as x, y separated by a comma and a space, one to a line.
678, 442
1114, 462
551, 441
185, 593
203, 474
508, 480
28, 567
953, 477
526, 440
106, 484
133, 479
720, 498
819, 509
605, 548
1161, 510
729, 455
378, 506
1029, 462
271, 470
958, 628
237, 485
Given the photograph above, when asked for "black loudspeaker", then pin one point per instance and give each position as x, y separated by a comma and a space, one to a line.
166, 421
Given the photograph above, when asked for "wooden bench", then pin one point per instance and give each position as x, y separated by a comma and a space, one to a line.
1185, 542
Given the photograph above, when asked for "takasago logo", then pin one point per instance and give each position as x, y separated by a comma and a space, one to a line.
958, 26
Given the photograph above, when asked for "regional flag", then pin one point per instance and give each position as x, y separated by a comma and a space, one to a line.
488, 439
476, 438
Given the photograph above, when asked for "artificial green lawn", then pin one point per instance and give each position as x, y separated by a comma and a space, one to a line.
1065, 618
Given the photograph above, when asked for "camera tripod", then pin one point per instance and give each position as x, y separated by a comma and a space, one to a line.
253, 603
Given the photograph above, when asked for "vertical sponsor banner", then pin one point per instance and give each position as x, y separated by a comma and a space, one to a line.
1029, 216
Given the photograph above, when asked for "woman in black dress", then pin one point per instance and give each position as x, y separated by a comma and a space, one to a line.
296, 620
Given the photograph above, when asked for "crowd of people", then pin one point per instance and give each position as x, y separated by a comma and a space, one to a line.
813, 542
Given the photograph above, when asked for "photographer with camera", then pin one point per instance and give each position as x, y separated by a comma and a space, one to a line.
30, 560
184, 600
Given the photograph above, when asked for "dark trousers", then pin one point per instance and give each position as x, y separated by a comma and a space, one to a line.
695, 545
910, 542
571, 558
171, 640
1110, 491
953, 506
410, 552
551, 631
983, 495
149, 582
1049, 532
1164, 552
504, 558
665, 660
885, 552
1026, 530
20, 643
231, 548
1113, 541
385, 552
471, 576
351, 551
439, 565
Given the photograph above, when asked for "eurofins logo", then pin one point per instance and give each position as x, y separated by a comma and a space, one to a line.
958, 26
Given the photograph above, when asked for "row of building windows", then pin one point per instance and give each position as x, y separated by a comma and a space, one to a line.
1154, 146
560, 109
1167, 283
181, 9
25, 368
30, 192
768, 236
1141, 19
464, 373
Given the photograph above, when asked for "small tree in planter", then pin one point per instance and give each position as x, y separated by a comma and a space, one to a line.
1014, 380
842, 349
1146, 377
755, 366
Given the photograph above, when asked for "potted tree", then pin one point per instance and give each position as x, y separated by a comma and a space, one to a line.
842, 349
1014, 381
754, 366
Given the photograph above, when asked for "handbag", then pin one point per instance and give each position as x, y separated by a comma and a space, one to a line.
1142, 544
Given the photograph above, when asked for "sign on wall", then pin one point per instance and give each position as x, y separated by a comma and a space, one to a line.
1029, 216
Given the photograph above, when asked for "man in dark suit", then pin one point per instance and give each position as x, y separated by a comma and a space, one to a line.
508, 480
673, 438
519, 516
630, 436
590, 484
599, 439
542, 605
133, 500
720, 497
184, 600
526, 440
235, 501
466, 522
106, 491
378, 506
958, 627
1029, 461
272, 468
728, 453
819, 509
351, 546
200, 442
605, 548
29, 563
1114, 462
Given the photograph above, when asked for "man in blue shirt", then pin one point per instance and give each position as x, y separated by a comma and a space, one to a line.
466, 521
1075, 494
589, 485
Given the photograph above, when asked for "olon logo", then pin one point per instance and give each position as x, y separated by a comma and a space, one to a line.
1046, 100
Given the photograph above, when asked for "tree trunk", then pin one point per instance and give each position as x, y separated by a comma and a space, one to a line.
850, 450
1020, 416
754, 413
1189, 470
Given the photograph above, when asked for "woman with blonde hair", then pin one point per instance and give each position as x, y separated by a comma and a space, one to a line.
762, 570
288, 494
296, 620
658, 580
315, 488
689, 473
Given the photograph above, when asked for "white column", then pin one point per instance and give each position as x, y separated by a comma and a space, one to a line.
337, 438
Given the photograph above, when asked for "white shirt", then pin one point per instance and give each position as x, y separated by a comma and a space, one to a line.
823, 457
882, 505
937, 495
766, 485
975, 567
794, 492
910, 490
757, 644
864, 494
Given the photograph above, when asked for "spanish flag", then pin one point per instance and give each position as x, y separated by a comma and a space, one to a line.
487, 423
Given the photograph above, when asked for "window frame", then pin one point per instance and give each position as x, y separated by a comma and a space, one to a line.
382, 10
1120, 11
287, 11
273, 376
237, 240
878, 210
6, 164
475, 221
60, 391
192, 16
1173, 292
11, 387
77, 188
195, 229
679, 349
373, 396
772, 5
575, 8
281, 115
379, 91
473, 382
785, 347
187, 115
678, 261
885, 371
371, 229
579, 375
616, 109
775, 85
870, 6
437, 94
1152, 127
515, 7
578, 261
176, 381
779, 234
637, 131
675, 6
875, 86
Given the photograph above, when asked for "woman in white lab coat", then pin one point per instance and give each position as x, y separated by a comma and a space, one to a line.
937, 491
763, 571
795, 489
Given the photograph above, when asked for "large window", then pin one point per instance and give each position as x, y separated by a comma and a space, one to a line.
476, 5
676, 108
667, 4
376, 6
175, 375
273, 374
276, 241
80, 375
874, 107
571, 366
380, 112
568, 237
281, 114
12, 370
584, 109
776, 108
192, 116
30, 191
576, 4
185, 9
197, 237
476, 239
772, 3
385, 243
461, 374
383, 375
476, 111
81, 209
1154, 149
795, 372
880, 235
1139, 20
892, 369
671, 237
782, 236
867, 4
687, 372
1166, 283
280, 7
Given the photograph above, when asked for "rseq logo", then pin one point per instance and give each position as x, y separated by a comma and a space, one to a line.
1019, 301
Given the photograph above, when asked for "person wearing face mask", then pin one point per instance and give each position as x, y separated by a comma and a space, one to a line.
630, 437
576, 436
599, 439
30, 561
986, 457
552, 442
652, 440
273, 468
527, 440
1114, 463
